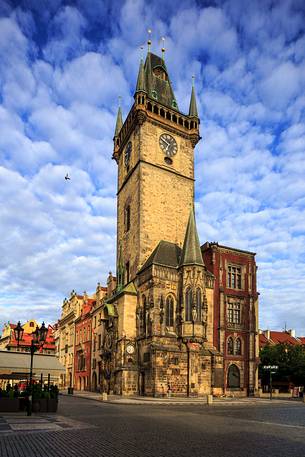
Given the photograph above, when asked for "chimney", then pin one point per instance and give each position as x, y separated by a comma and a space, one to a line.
267, 334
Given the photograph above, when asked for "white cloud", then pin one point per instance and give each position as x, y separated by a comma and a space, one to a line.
62, 71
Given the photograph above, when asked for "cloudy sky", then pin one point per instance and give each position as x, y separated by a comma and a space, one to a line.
63, 65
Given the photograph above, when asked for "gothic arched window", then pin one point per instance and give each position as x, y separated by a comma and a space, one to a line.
230, 346
233, 380
238, 346
198, 304
169, 311
188, 304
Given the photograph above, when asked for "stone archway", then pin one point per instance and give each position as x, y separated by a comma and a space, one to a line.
233, 379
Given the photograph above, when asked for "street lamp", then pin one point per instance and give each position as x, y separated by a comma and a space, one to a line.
18, 332
38, 340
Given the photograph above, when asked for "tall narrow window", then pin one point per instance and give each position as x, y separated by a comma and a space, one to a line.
230, 347
144, 313
234, 277
234, 313
127, 218
238, 346
198, 304
169, 312
127, 272
188, 304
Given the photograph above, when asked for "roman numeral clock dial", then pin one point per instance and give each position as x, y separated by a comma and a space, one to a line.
168, 144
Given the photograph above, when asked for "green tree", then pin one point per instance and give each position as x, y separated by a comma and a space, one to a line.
290, 360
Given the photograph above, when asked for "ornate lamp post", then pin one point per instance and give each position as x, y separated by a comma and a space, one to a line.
38, 340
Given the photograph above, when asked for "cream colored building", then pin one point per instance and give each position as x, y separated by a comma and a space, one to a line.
65, 341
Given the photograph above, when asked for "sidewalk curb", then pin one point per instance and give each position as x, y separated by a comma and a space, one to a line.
167, 402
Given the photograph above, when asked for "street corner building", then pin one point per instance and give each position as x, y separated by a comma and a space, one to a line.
179, 318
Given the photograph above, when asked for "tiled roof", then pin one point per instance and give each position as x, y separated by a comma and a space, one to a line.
282, 337
276, 337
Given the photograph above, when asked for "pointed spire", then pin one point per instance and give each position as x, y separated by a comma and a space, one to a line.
193, 105
191, 252
141, 85
119, 122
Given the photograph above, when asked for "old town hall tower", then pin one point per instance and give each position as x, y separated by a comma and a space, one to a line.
159, 313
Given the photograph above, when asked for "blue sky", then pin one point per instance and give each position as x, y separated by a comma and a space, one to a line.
63, 66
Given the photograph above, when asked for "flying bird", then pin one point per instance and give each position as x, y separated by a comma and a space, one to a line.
67, 177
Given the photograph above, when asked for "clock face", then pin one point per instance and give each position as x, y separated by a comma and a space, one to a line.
127, 154
168, 144
130, 349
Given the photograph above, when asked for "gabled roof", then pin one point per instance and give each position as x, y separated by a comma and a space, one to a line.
282, 337
191, 252
274, 337
165, 254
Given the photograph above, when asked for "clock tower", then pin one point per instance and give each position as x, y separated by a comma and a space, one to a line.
154, 150
160, 315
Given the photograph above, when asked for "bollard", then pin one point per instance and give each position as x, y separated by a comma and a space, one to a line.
209, 399
104, 396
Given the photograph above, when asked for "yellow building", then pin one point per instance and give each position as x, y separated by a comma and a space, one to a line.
65, 337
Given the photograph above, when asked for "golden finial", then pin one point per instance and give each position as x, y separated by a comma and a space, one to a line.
163, 47
149, 39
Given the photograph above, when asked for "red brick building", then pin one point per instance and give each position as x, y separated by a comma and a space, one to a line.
235, 313
82, 351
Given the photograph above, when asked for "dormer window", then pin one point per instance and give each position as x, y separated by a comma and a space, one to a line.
154, 94
160, 73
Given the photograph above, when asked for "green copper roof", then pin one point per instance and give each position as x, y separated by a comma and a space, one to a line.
141, 85
119, 122
158, 88
193, 105
111, 309
191, 252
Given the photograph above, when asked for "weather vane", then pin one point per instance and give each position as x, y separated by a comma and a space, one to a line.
163, 47
149, 39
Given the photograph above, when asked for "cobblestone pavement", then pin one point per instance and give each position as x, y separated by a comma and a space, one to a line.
10, 423
99, 429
